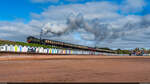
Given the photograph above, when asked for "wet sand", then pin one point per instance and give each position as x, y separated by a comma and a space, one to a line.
75, 69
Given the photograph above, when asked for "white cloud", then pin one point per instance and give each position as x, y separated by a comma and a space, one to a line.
89, 10
54, 17
53, 1
44, 1
132, 6
16, 30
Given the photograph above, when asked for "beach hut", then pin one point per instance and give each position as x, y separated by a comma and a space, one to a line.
20, 48
70, 51
33, 49
29, 49
74, 52
59, 51
16, 48
50, 51
41, 50
80, 52
85, 52
2, 48
67, 51
53, 51
56, 51
11, 48
77, 52
8, 48
24, 49
45, 51
37, 49
64, 51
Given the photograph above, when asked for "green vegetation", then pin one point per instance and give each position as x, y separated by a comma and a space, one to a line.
105, 48
2, 42
119, 51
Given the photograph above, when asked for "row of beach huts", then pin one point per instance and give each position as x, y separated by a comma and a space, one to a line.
30, 49
26, 49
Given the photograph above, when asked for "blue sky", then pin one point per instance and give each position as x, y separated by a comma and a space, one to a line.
15, 9
127, 21
21, 9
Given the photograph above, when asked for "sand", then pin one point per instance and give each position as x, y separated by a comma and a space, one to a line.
74, 69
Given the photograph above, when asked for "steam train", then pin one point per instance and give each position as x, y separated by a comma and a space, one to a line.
64, 45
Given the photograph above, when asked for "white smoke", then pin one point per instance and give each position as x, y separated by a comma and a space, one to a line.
54, 28
99, 30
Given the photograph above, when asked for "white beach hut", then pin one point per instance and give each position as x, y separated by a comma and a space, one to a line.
12, 48
59, 51
24, 49
8, 48
41, 50
2, 48
37, 49
55, 51
45, 51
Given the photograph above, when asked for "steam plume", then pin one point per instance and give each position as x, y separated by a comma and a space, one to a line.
101, 31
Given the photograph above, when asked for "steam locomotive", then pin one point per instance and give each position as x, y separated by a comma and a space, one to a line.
32, 39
